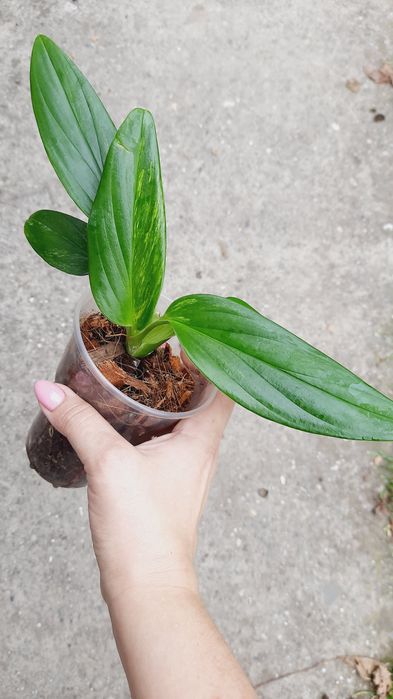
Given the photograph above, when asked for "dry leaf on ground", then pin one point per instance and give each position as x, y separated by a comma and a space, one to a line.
353, 85
381, 76
373, 671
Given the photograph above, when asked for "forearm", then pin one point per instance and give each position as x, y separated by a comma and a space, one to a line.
171, 649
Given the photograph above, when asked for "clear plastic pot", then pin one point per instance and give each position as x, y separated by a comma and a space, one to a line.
52, 456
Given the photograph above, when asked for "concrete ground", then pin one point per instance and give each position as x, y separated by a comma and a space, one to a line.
279, 189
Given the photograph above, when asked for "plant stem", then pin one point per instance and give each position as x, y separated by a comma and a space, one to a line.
147, 340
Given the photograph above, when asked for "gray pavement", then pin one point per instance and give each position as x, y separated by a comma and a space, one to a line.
279, 189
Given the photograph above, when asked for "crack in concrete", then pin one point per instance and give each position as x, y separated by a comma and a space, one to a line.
263, 683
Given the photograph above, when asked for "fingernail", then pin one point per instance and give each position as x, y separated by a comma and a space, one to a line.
48, 394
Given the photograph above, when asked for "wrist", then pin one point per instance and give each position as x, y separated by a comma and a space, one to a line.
167, 572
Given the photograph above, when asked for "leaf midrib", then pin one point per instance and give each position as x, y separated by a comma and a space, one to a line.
72, 143
133, 261
85, 139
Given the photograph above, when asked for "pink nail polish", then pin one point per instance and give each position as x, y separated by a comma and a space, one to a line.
48, 394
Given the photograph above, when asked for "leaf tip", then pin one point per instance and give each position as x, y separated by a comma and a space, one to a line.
26, 227
39, 41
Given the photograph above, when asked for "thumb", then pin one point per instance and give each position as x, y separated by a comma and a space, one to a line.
86, 430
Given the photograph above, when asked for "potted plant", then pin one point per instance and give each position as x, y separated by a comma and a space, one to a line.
122, 358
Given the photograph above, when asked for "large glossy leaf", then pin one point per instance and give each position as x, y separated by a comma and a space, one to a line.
75, 128
60, 239
126, 231
275, 374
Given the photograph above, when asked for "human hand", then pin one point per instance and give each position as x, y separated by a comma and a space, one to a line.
145, 502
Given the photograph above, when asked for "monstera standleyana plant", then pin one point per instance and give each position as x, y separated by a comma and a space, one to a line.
114, 177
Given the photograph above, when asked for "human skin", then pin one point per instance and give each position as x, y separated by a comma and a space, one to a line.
145, 504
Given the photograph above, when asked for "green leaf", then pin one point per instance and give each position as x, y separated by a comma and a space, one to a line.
74, 125
60, 239
275, 374
126, 230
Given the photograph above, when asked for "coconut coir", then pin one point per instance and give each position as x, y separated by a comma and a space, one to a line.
158, 381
